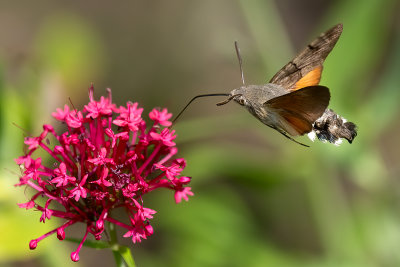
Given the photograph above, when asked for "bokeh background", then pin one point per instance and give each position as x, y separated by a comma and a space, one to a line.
260, 200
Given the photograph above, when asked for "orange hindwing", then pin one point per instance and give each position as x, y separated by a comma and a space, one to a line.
310, 79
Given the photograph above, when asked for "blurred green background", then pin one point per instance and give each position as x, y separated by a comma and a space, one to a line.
260, 200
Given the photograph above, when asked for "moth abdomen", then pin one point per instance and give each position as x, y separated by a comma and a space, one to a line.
332, 127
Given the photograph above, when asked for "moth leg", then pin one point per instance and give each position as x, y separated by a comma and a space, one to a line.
282, 132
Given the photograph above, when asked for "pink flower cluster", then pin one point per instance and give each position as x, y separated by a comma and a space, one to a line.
106, 159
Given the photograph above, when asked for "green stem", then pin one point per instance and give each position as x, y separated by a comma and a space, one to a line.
122, 254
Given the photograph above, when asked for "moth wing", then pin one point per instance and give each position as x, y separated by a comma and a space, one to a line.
306, 68
298, 110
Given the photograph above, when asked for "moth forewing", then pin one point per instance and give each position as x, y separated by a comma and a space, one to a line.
308, 60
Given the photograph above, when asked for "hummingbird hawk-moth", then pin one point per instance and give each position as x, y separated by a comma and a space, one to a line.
293, 102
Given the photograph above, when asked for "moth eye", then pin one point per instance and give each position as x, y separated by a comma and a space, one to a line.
241, 101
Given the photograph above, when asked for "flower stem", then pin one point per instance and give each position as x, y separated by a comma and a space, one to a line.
122, 254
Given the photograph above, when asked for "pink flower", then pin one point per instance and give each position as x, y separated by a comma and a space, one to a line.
106, 159
96, 109
28, 205
63, 179
33, 143
139, 230
102, 158
102, 181
166, 136
74, 119
61, 114
24, 161
32, 171
129, 117
80, 191
175, 169
183, 193
161, 117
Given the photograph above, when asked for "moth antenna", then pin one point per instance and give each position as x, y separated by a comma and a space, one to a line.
228, 100
240, 61
198, 96
288, 137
